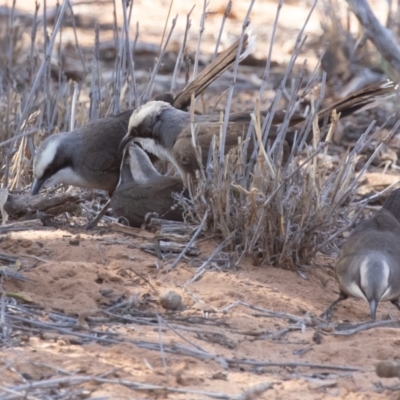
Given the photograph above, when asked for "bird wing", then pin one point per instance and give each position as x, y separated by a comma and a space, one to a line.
185, 154
107, 134
376, 234
134, 201
392, 204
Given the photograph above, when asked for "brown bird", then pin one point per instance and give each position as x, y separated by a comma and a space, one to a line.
88, 157
368, 266
142, 190
166, 132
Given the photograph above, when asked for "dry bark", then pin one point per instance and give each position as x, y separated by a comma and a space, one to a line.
27, 205
380, 36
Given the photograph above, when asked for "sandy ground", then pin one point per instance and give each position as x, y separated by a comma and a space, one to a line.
81, 278
74, 277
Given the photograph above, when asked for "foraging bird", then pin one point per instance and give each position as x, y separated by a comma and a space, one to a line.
167, 132
368, 265
142, 190
156, 126
88, 157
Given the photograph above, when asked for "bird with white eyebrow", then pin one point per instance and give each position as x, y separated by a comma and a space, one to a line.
88, 157
166, 132
368, 266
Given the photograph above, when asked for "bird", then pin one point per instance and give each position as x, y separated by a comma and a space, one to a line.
368, 266
392, 204
142, 189
156, 126
166, 132
88, 157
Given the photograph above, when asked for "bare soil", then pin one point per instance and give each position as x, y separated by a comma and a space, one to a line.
74, 278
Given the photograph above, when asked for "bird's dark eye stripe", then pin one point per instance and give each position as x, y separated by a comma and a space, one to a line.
55, 166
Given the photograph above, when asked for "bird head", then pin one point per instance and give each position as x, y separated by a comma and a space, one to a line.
53, 163
136, 166
374, 274
143, 123
366, 276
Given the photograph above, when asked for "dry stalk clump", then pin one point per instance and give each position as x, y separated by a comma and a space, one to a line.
291, 205
37, 96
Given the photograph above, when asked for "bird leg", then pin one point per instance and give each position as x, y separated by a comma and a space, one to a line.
327, 314
92, 224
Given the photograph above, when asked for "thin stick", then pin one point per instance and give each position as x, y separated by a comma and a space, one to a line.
161, 342
178, 63
129, 53
76, 39
77, 380
149, 88
181, 336
224, 18
197, 233
364, 327
35, 86
33, 257
202, 23
202, 268
165, 26
73, 107
246, 22
294, 365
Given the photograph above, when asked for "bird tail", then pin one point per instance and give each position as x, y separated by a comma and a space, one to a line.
213, 71
360, 100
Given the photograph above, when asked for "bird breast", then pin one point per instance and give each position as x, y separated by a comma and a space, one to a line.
152, 147
67, 176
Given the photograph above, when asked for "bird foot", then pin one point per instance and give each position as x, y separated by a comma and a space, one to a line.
327, 314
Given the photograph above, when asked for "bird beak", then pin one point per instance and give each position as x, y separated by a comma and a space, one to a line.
372, 306
36, 185
126, 139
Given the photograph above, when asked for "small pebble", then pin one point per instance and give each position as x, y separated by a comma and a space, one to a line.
171, 300
317, 338
388, 369
106, 292
75, 241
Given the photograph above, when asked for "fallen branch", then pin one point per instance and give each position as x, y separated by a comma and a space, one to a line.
15, 392
194, 237
55, 204
380, 36
135, 232
351, 329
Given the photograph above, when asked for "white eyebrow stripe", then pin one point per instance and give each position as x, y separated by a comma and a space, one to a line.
44, 157
146, 110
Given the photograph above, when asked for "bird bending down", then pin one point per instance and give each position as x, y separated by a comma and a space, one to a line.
142, 190
368, 266
88, 157
167, 132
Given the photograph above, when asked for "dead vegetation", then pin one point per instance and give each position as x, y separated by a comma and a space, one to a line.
280, 208
283, 207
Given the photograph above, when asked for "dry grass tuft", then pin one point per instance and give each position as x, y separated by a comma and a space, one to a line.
289, 207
